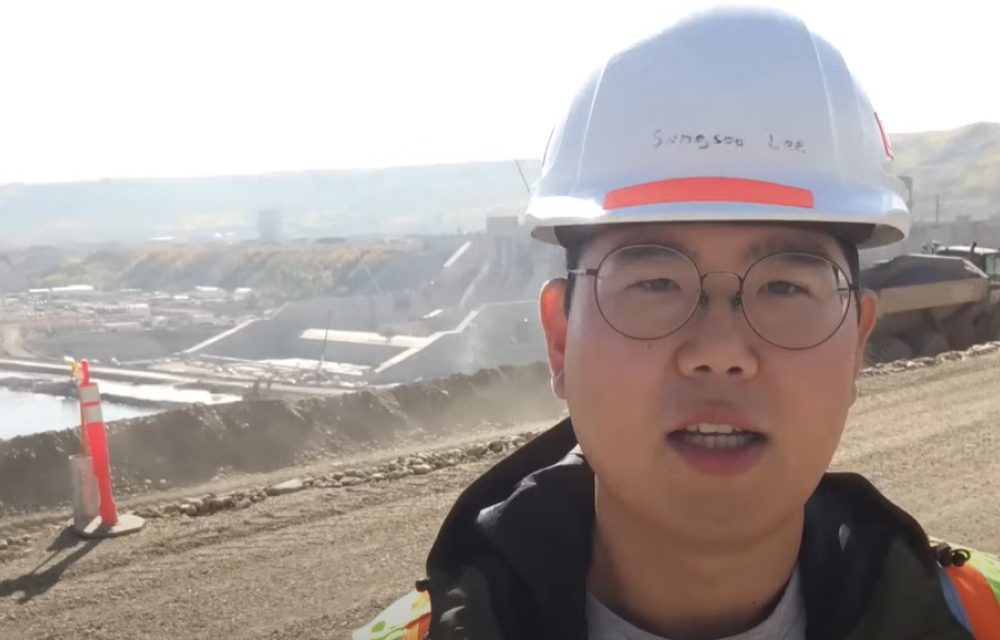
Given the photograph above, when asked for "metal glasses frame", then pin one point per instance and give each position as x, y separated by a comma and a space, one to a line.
737, 300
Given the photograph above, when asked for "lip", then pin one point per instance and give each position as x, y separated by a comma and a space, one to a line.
717, 415
719, 462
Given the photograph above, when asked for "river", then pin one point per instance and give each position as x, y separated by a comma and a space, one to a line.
23, 413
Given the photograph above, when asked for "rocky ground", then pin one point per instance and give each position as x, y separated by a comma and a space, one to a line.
313, 550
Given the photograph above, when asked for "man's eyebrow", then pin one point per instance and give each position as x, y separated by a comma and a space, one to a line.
637, 238
771, 246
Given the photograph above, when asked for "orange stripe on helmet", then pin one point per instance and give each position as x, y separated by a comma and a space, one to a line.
978, 599
709, 190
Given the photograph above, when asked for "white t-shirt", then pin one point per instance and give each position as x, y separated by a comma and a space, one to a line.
786, 622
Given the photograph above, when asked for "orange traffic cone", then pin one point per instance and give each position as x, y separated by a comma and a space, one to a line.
94, 441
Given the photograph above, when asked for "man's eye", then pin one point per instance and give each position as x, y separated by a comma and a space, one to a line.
782, 288
656, 285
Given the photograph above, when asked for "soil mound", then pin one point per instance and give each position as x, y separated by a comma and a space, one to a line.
191, 444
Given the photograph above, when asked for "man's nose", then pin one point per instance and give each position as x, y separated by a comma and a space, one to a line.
718, 341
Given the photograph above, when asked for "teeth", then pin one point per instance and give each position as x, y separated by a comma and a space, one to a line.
707, 427
717, 441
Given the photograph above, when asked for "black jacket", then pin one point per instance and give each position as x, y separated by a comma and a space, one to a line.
511, 559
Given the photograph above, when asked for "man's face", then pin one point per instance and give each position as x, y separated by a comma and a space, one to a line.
627, 396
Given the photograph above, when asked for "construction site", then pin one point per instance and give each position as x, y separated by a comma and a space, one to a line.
279, 361
430, 307
337, 430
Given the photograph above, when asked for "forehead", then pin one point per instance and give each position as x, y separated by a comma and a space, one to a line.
702, 241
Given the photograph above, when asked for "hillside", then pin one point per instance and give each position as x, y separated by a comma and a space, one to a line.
432, 199
961, 164
278, 272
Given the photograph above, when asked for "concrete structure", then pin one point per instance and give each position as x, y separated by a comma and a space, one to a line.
506, 333
446, 305
74, 290
433, 307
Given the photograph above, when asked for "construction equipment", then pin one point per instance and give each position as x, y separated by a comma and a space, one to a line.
987, 259
934, 302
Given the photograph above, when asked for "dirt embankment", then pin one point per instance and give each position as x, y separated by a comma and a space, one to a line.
193, 444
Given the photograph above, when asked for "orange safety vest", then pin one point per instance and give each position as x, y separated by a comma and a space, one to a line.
409, 618
971, 583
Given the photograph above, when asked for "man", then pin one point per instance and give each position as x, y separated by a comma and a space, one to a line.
711, 186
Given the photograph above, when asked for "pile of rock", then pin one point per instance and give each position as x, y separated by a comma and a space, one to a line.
974, 351
417, 464
16, 542
420, 464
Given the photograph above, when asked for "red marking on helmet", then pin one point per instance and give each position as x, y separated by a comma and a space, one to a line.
709, 190
885, 138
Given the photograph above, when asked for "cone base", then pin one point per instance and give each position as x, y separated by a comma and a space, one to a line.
127, 523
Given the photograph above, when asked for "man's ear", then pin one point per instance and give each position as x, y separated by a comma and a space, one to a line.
551, 303
868, 304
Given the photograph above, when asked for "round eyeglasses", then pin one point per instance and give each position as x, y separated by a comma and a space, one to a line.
791, 300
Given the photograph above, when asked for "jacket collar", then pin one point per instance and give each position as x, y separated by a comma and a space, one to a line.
532, 515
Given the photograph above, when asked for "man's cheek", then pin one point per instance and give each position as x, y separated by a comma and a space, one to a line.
828, 398
618, 377
593, 349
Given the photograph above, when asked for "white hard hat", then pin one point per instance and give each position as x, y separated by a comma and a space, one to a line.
730, 115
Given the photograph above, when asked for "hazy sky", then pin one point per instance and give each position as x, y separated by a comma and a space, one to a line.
174, 88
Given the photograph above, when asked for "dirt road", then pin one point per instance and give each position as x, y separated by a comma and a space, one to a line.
318, 563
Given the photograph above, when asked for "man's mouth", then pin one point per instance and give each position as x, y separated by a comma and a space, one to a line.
717, 441
716, 436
